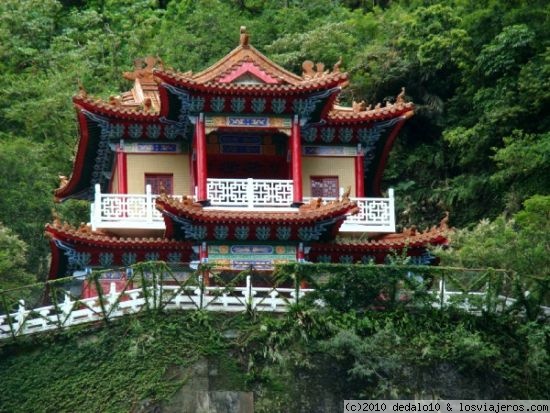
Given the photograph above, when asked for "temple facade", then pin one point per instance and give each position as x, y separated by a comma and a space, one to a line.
243, 164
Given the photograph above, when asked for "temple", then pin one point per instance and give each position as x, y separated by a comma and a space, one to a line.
243, 164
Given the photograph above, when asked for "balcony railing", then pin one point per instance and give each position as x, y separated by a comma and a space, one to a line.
137, 211
251, 193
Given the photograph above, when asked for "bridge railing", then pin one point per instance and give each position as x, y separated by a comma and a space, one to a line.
163, 287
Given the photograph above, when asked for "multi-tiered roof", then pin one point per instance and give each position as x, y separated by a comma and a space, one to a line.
245, 87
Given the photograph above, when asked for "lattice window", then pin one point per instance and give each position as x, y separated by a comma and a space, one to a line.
324, 186
158, 181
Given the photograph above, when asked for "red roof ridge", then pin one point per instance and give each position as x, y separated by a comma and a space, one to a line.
330, 80
245, 51
115, 108
359, 111
85, 234
310, 212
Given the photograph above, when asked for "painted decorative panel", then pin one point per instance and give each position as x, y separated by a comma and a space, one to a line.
171, 131
258, 105
129, 258
345, 135
237, 104
117, 131
278, 105
217, 104
153, 131
309, 135
135, 131
196, 104
241, 257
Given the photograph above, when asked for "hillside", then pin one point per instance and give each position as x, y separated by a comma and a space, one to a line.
305, 361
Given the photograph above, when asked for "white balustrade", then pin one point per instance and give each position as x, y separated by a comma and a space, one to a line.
249, 192
375, 214
117, 304
171, 297
138, 210
125, 210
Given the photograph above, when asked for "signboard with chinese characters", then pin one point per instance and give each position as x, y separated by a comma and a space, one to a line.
242, 257
214, 122
310, 150
136, 147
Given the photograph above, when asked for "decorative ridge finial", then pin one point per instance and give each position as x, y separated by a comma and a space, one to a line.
81, 91
143, 68
244, 37
444, 223
400, 99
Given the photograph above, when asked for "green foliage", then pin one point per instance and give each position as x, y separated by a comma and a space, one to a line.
12, 260
107, 370
26, 199
287, 361
353, 346
521, 244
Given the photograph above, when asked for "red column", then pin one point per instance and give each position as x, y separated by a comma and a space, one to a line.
200, 137
359, 173
122, 172
296, 151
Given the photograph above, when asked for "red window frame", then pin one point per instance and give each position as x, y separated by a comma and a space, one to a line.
325, 186
156, 180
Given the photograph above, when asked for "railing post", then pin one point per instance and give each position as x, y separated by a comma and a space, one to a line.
96, 219
249, 293
250, 192
148, 203
442, 291
392, 210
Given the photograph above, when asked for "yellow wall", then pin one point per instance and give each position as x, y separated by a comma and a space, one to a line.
114, 180
344, 168
140, 164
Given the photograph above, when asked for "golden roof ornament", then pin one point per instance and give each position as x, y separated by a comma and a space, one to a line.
358, 106
307, 68
400, 99
444, 223
315, 70
81, 91
336, 67
115, 101
147, 104
346, 194
143, 68
56, 219
243, 41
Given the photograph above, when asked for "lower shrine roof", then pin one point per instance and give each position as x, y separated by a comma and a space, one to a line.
409, 238
311, 222
314, 211
84, 235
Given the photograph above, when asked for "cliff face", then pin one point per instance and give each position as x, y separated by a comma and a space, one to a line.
300, 362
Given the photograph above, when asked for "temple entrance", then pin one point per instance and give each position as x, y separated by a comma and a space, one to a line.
247, 155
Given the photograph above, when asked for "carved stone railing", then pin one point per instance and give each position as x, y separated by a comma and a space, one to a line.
138, 210
250, 193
